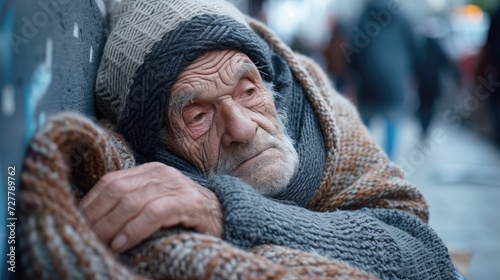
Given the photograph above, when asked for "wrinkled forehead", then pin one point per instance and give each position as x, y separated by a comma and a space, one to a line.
213, 68
222, 62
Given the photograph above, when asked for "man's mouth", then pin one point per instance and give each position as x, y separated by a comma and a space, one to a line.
244, 162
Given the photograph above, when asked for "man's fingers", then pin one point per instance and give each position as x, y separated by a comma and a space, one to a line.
129, 206
96, 190
110, 196
162, 212
125, 210
108, 178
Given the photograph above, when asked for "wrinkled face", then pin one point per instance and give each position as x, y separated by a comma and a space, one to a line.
222, 118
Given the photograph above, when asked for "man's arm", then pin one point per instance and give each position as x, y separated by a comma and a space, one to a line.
389, 243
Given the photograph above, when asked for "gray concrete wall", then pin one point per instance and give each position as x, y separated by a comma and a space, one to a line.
49, 55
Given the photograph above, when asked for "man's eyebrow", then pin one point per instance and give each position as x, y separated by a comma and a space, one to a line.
180, 100
245, 68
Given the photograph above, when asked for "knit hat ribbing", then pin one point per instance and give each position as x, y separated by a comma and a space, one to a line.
136, 26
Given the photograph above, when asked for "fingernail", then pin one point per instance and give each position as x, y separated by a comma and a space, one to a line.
119, 242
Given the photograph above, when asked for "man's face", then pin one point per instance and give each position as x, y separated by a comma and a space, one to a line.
223, 119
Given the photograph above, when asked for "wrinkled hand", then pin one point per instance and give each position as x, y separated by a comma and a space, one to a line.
129, 205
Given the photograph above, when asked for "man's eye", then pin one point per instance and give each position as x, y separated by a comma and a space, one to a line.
249, 91
198, 118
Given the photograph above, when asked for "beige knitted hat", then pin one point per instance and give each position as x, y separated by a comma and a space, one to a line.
149, 44
135, 27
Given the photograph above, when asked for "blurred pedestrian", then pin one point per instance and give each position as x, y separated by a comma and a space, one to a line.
336, 65
489, 67
383, 56
434, 62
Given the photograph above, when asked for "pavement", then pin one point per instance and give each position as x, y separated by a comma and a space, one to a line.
458, 172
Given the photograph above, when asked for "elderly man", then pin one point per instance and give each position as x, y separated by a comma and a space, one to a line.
241, 139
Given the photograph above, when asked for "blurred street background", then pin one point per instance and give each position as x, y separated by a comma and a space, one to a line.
424, 75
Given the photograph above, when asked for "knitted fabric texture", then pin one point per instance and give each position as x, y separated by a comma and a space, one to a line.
65, 159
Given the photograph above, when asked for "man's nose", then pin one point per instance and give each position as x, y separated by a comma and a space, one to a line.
238, 126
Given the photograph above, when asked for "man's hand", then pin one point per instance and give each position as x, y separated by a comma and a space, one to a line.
129, 205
